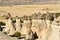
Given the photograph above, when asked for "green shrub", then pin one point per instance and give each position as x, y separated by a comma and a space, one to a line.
57, 14
2, 24
58, 23
14, 21
17, 34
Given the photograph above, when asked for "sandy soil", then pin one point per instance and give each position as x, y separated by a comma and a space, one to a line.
21, 10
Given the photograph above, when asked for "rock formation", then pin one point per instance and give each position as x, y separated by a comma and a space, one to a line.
18, 24
9, 25
26, 26
41, 24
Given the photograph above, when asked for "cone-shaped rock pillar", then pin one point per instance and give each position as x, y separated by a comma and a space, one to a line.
18, 24
9, 25
26, 26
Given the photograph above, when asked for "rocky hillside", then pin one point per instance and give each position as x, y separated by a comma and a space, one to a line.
24, 2
6, 37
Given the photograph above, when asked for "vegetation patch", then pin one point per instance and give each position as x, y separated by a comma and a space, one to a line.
2, 24
17, 34
57, 14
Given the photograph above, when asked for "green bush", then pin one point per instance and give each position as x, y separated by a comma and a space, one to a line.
2, 24
57, 14
14, 21
17, 34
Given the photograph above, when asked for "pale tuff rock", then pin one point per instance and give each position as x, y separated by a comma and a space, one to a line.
29, 35
44, 29
26, 26
35, 24
7, 26
55, 33
41, 27
39, 15
6, 37
11, 28
56, 21
18, 25
48, 23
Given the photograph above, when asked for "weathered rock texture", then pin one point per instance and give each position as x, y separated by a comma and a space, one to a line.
6, 37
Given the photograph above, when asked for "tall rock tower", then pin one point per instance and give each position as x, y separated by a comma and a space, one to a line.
18, 24
9, 25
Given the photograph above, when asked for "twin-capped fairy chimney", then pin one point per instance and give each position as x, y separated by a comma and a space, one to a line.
34, 16
8, 16
9, 26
